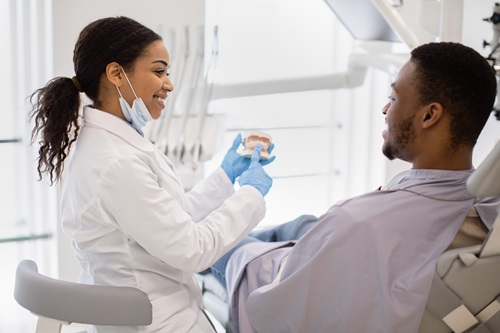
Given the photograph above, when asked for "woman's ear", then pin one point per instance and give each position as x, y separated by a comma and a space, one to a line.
432, 115
114, 74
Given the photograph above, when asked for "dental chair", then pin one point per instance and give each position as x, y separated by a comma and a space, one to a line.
465, 294
58, 303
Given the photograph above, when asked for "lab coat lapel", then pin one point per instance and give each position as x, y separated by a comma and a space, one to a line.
122, 129
117, 126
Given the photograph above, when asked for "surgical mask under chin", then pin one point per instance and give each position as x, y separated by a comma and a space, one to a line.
137, 114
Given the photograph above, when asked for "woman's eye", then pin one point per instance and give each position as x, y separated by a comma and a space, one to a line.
160, 72
391, 99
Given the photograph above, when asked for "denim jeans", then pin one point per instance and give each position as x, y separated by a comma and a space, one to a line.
292, 230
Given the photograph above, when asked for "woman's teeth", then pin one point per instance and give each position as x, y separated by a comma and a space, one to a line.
160, 99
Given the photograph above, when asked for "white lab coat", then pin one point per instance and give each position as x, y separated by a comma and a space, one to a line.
132, 224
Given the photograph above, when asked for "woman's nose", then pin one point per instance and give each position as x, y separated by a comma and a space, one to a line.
168, 86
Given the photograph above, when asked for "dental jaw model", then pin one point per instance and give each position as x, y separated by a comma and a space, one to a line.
251, 139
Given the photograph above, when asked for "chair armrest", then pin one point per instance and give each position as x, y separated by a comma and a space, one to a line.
80, 303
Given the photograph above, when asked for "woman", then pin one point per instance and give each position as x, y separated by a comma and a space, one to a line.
123, 204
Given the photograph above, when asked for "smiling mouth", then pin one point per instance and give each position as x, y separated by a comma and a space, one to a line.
160, 99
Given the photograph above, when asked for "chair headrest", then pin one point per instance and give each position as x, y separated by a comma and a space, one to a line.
485, 180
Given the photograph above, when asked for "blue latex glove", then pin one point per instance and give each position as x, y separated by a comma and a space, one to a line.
255, 175
234, 164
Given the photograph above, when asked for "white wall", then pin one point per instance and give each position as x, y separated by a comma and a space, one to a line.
71, 16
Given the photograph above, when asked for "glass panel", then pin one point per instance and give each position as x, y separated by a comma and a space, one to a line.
10, 218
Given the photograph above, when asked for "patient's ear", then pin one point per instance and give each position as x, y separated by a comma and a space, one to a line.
431, 115
114, 74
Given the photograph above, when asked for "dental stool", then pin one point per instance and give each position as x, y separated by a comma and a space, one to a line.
58, 302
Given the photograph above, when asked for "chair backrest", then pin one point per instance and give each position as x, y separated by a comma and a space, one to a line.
72, 302
465, 293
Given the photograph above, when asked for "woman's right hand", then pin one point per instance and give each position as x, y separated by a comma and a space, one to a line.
255, 175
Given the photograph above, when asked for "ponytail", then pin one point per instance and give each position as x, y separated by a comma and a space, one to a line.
55, 113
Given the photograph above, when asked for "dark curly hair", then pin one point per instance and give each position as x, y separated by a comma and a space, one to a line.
460, 79
55, 107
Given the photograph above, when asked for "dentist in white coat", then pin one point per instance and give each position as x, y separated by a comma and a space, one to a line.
123, 204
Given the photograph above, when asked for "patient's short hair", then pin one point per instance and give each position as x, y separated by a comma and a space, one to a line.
462, 81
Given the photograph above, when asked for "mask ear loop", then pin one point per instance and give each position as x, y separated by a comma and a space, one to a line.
121, 96
128, 82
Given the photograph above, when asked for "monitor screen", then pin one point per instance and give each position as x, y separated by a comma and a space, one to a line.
362, 19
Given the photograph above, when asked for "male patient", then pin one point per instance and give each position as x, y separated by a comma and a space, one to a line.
367, 263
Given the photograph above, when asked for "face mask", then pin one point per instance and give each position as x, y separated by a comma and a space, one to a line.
137, 114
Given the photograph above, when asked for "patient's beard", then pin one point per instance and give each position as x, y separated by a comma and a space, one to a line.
403, 136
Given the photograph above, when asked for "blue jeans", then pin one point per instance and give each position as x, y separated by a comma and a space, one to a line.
292, 230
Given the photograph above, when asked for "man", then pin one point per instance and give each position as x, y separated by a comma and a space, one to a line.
368, 262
